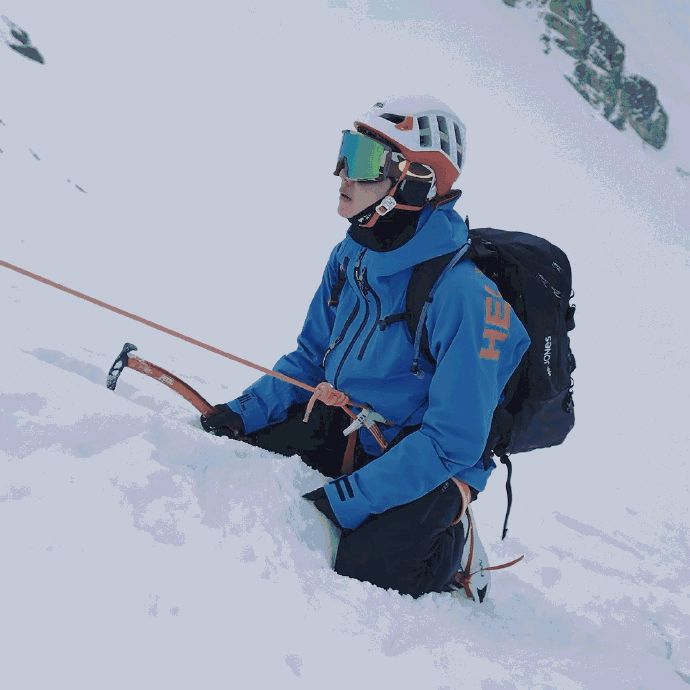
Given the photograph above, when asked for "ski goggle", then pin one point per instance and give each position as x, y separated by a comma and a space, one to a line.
363, 158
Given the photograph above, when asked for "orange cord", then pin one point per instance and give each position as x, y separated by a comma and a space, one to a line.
324, 391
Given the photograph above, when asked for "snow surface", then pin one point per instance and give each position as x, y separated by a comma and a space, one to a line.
138, 551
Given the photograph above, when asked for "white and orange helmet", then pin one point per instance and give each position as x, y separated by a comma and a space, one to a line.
425, 130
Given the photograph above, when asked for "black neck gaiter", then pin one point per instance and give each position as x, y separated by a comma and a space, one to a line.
389, 232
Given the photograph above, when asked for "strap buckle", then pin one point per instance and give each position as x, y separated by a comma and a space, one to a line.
387, 204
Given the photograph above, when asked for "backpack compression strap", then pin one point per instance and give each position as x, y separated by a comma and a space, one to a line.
509, 492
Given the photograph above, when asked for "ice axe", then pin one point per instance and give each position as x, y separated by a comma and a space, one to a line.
187, 392
125, 359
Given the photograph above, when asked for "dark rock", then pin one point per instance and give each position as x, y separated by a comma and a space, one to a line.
640, 104
598, 74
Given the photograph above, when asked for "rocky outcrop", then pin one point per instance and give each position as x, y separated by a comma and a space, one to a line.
17, 39
598, 70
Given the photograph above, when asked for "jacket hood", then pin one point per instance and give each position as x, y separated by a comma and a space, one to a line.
439, 231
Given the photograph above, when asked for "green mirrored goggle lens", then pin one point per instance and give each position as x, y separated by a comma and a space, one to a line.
363, 158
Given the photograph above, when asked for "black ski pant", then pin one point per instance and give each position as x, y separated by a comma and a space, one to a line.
413, 548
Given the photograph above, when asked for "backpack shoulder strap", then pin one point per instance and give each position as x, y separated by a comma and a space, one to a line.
339, 284
425, 279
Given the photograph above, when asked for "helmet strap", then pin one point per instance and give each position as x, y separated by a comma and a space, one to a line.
388, 203
446, 198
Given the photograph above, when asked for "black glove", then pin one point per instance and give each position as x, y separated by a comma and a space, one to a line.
223, 422
320, 500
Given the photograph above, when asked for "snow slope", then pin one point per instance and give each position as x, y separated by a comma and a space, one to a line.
139, 551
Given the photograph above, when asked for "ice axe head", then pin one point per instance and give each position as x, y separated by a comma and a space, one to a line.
118, 365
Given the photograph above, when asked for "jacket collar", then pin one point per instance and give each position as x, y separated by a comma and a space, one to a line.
436, 231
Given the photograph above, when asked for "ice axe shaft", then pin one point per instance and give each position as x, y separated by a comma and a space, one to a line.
125, 359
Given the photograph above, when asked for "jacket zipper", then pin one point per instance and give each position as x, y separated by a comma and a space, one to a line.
339, 339
363, 290
378, 316
349, 321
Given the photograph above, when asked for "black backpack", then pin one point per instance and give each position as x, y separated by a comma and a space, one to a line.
534, 277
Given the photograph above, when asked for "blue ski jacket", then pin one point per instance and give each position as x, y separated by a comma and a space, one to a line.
474, 336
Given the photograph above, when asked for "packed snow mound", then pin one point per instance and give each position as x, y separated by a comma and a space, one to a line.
137, 536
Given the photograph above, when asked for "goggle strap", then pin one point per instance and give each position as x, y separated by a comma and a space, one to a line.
406, 167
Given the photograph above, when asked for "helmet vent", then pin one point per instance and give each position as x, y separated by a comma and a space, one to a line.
424, 131
391, 117
443, 134
458, 142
